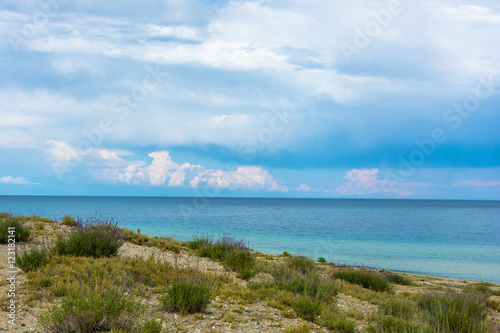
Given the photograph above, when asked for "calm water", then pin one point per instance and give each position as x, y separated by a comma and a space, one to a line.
444, 238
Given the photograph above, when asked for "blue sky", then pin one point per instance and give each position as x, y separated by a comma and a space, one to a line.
330, 99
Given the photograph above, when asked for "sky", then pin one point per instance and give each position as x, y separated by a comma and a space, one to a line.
281, 98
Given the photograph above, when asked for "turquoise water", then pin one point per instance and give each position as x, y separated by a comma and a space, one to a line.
458, 239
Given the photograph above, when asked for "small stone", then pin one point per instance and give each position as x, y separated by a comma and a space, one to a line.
249, 310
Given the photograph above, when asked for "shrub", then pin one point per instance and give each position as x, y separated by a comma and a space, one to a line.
217, 251
452, 312
94, 239
304, 328
396, 325
333, 320
367, 279
185, 297
32, 259
69, 221
306, 307
398, 279
246, 273
151, 326
310, 284
396, 308
92, 312
301, 264
238, 259
198, 242
20, 232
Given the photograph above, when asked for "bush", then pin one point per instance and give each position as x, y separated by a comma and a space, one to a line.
398, 279
367, 279
94, 239
32, 259
306, 307
20, 232
452, 312
217, 251
151, 326
93, 312
238, 259
69, 221
246, 273
397, 308
338, 322
304, 328
301, 264
311, 284
396, 325
185, 297
199, 242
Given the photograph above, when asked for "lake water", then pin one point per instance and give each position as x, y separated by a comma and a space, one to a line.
458, 239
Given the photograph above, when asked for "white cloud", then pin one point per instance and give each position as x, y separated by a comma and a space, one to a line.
180, 32
304, 187
363, 182
15, 181
163, 171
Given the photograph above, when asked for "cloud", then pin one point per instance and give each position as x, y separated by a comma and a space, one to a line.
364, 181
163, 171
15, 181
304, 187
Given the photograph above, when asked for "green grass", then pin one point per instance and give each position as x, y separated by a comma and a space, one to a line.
201, 241
151, 326
303, 328
69, 221
367, 279
397, 308
306, 307
33, 258
454, 312
301, 264
186, 297
397, 325
311, 284
398, 279
93, 312
96, 239
20, 232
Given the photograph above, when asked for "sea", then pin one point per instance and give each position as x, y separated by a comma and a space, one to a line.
458, 239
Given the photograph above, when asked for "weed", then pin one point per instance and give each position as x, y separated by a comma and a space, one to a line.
69, 221
151, 326
186, 297
13, 226
306, 307
398, 279
455, 312
92, 239
303, 328
238, 259
33, 258
201, 241
367, 279
92, 312
396, 325
301, 264
397, 308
